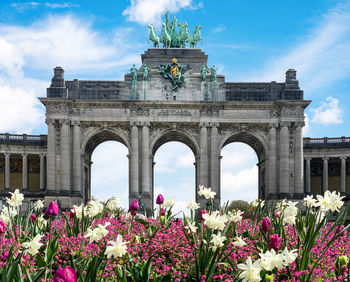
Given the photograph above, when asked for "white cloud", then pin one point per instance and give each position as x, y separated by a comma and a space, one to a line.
219, 28
21, 7
60, 5
321, 57
328, 112
185, 160
150, 11
237, 156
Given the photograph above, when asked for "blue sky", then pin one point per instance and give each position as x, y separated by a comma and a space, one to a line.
246, 40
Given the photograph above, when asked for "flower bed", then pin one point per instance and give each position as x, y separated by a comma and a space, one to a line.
101, 242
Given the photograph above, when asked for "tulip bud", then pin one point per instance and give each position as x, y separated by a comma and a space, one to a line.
66, 274
134, 206
32, 217
266, 224
108, 214
203, 212
2, 227
162, 212
72, 213
52, 209
275, 242
160, 199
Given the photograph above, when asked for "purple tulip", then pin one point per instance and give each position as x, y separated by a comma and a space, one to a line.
203, 212
275, 242
32, 217
134, 207
52, 209
266, 224
162, 212
3, 256
72, 213
66, 274
160, 199
2, 227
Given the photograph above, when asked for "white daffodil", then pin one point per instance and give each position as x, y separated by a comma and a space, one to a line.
116, 248
16, 199
192, 226
192, 205
168, 203
250, 271
235, 216
206, 192
239, 242
289, 256
93, 208
41, 221
310, 201
33, 246
97, 233
217, 241
78, 211
269, 260
113, 203
257, 202
290, 212
215, 220
330, 201
8, 213
38, 205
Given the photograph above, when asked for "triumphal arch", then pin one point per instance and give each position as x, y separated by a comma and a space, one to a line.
173, 96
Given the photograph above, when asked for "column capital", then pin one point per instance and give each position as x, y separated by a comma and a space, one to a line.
24, 155
204, 124
285, 123
325, 158
76, 123
308, 158
50, 121
7, 154
64, 121
145, 124
343, 158
300, 124
273, 125
134, 123
214, 124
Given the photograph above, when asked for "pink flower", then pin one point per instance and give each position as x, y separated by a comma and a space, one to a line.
134, 207
52, 209
203, 212
108, 214
275, 242
66, 274
160, 199
3, 256
2, 227
266, 224
71, 213
32, 217
162, 212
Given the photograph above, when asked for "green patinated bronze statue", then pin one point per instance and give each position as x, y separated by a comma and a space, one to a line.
145, 73
165, 37
133, 71
152, 36
203, 73
196, 36
213, 74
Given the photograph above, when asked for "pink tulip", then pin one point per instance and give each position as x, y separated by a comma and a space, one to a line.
108, 214
71, 213
162, 212
275, 242
32, 217
203, 212
52, 209
66, 274
2, 227
3, 256
266, 224
160, 199
134, 207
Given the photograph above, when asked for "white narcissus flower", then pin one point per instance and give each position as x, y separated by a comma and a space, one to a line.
239, 242
8, 213
235, 216
78, 211
38, 205
289, 256
217, 241
168, 203
215, 220
16, 199
250, 271
290, 212
310, 201
97, 233
116, 248
206, 192
269, 260
192, 226
94, 208
33, 246
41, 220
192, 205
113, 203
257, 202
330, 201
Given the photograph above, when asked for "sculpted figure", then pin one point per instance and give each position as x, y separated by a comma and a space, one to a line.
203, 73
183, 36
173, 34
213, 74
146, 73
142, 208
165, 37
152, 36
133, 71
196, 36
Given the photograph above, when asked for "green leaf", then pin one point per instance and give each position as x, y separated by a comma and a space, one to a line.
40, 262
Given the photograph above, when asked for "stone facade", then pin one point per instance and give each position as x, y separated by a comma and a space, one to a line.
204, 114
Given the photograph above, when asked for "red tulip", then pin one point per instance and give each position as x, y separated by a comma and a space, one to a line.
275, 242
52, 209
71, 213
32, 217
66, 274
266, 224
203, 212
160, 199
2, 227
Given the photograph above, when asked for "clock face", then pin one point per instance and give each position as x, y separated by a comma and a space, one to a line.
174, 70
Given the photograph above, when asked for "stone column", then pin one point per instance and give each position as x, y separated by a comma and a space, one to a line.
203, 178
146, 192
299, 161
214, 160
77, 168
25, 171
343, 175
7, 170
65, 156
51, 155
42, 171
325, 174
307, 176
284, 159
134, 163
272, 186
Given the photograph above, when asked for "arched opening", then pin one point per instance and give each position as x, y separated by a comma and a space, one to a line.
109, 172
174, 175
106, 166
239, 173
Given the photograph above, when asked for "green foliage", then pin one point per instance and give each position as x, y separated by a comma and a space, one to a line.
241, 205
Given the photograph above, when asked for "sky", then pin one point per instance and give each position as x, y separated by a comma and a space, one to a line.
246, 40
